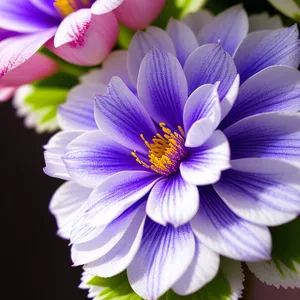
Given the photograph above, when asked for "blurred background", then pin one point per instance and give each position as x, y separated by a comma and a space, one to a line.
36, 263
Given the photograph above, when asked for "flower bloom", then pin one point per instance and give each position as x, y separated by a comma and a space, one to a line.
84, 31
190, 153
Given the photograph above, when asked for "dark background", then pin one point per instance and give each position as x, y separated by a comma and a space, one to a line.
35, 262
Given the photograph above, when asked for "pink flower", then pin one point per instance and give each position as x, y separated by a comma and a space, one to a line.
81, 32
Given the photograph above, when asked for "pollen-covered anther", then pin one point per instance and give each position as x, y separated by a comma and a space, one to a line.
66, 7
166, 151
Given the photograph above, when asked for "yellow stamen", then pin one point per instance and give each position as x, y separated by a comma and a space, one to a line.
165, 151
66, 7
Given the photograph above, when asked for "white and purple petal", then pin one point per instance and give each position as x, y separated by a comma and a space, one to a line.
204, 164
198, 19
275, 88
173, 201
111, 198
65, 205
24, 17
121, 255
204, 102
120, 115
202, 270
183, 38
142, 43
109, 237
274, 135
221, 230
93, 157
164, 256
265, 48
210, 64
162, 87
229, 27
261, 190
78, 110
54, 151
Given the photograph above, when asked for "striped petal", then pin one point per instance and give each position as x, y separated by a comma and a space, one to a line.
221, 230
261, 190
164, 256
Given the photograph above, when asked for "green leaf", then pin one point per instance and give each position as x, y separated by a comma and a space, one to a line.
116, 288
286, 245
189, 6
177, 9
290, 8
44, 102
125, 37
218, 289
284, 268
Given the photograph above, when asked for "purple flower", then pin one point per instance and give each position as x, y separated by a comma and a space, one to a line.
82, 32
178, 164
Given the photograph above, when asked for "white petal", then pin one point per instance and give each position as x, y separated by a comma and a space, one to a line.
202, 270
65, 204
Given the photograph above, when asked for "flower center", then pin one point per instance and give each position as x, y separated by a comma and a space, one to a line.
65, 7
166, 151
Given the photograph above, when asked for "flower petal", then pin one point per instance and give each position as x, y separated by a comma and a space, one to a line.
93, 157
229, 27
204, 164
14, 51
47, 7
35, 68
23, 16
209, 64
204, 102
55, 149
80, 33
173, 201
202, 270
164, 256
162, 87
261, 190
78, 110
141, 43
225, 233
197, 20
118, 259
139, 14
120, 115
105, 6
274, 135
264, 21
65, 204
183, 38
6, 93
115, 65
111, 235
265, 48
275, 88
111, 198
229, 99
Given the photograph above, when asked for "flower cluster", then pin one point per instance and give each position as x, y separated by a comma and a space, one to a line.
72, 29
179, 151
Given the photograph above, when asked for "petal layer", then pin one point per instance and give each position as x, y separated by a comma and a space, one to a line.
225, 233
262, 191
265, 48
163, 257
